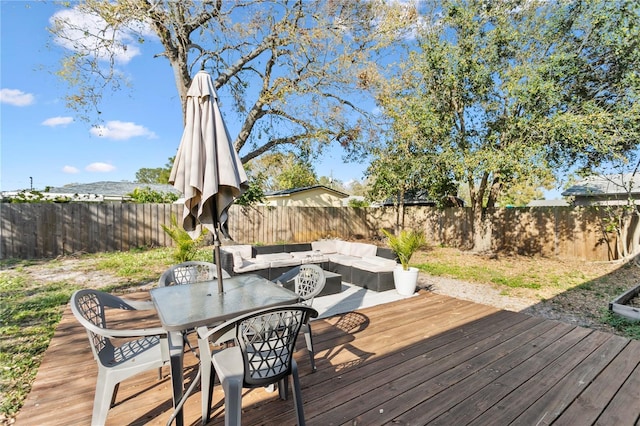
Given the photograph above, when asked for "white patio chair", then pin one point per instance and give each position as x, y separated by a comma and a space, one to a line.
190, 272
262, 355
116, 362
308, 284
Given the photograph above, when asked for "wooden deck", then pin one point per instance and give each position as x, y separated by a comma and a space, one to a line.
429, 359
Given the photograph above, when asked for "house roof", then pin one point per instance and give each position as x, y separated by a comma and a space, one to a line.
420, 198
110, 189
597, 185
285, 192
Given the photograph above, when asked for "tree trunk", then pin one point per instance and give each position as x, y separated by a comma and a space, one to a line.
400, 213
482, 231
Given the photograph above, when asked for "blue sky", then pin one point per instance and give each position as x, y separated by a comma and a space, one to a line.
42, 140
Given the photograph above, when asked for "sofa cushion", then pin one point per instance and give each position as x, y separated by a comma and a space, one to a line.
324, 246
243, 249
343, 247
272, 257
342, 259
291, 261
362, 250
377, 260
237, 259
249, 266
373, 267
310, 256
302, 254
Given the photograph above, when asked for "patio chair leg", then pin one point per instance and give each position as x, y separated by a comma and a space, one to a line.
297, 394
232, 402
283, 389
114, 394
106, 391
206, 389
308, 337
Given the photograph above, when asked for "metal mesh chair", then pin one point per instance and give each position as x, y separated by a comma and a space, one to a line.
148, 349
262, 355
308, 284
190, 272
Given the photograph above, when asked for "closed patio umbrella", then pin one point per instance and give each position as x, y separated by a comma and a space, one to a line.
207, 169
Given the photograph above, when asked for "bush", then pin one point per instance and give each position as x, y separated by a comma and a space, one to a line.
148, 195
186, 247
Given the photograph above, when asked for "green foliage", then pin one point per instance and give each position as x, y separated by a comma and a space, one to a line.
496, 95
626, 327
358, 203
296, 175
405, 244
253, 194
148, 195
29, 313
157, 175
132, 266
278, 171
186, 247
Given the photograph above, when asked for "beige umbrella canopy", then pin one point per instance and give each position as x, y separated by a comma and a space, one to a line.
207, 169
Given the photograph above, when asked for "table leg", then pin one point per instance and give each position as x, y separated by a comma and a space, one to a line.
176, 352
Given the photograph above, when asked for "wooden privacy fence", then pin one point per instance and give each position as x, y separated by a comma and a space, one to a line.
49, 230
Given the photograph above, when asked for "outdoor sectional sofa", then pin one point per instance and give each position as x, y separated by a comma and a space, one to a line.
361, 264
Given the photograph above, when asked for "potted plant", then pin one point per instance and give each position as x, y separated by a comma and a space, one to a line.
405, 245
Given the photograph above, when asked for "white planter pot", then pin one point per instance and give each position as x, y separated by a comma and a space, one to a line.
405, 281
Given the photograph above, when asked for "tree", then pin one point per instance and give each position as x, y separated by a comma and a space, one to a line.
404, 165
295, 70
298, 175
283, 171
254, 193
157, 175
505, 92
333, 183
357, 187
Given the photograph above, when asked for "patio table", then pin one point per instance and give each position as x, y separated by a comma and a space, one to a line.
182, 307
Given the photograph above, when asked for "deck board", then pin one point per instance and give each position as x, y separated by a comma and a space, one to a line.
429, 359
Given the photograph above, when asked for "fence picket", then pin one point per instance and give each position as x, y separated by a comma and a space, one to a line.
46, 230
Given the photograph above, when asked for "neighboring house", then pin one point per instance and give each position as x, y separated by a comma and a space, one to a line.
96, 191
605, 190
421, 198
310, 196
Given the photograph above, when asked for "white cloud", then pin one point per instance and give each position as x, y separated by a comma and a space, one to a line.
70, 170
121, 130
16, 97
57, 121
100, 167
85, 32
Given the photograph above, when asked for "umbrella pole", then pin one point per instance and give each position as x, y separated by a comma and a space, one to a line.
216, 256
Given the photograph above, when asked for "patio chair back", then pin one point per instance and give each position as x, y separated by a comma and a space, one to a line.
309, 282
262, 356
190, 272
267, 340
